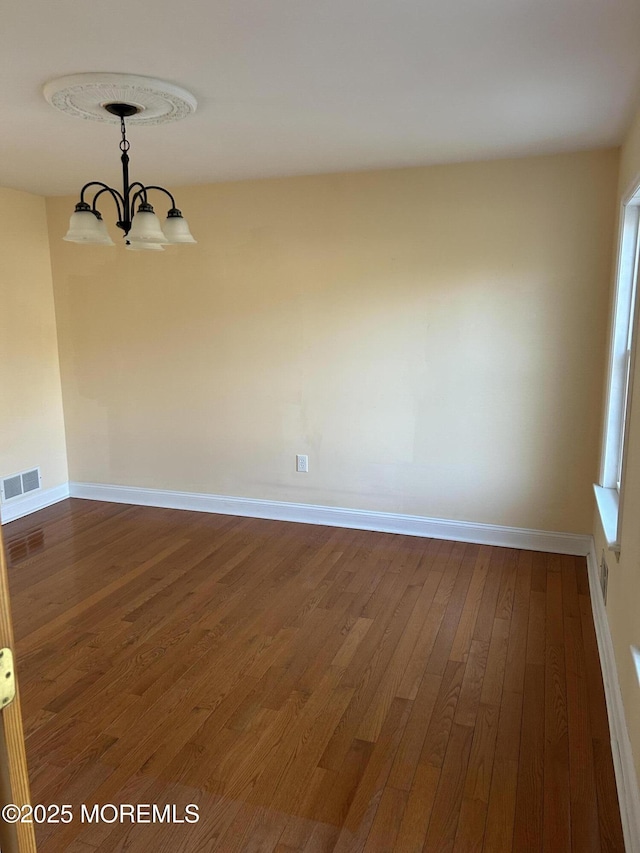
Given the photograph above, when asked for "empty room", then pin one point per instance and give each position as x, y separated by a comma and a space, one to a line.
321, 531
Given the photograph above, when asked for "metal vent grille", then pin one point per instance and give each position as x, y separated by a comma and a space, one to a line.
19, 484
31, 480
11, 487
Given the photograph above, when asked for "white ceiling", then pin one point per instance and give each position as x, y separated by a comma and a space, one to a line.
294, 86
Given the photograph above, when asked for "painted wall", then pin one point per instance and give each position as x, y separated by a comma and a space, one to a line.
31, 418
433, 338
624, 574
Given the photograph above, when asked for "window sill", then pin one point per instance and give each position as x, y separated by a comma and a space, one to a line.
607, 501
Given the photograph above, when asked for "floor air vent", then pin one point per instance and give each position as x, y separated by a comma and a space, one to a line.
20, 484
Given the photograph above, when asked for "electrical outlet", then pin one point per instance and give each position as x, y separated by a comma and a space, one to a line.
302, 463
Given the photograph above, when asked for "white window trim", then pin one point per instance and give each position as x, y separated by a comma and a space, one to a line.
622, 350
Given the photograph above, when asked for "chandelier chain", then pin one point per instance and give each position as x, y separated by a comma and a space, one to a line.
124, 145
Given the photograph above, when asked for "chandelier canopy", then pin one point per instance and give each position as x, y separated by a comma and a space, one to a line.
116, 97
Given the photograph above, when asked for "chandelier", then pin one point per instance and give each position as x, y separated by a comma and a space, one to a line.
116, 97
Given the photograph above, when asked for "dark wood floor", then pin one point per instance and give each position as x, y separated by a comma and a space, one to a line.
308, 688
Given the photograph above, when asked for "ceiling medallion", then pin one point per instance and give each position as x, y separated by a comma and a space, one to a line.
140, 100
85, 95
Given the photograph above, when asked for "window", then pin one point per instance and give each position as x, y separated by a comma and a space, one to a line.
621, 359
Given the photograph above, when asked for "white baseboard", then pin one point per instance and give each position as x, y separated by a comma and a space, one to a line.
384, 522
623, 763
26, 504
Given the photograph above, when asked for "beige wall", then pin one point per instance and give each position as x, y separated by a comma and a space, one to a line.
31, 419
624, 575
433, 338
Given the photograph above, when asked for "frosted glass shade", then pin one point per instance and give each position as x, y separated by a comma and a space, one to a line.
145, 227
85, 227
176, 229
106, 238
144, 247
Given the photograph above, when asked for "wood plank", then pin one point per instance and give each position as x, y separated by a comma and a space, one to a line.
528, 825
441, 720
557, 807
585, 834
475, 800
361, 814
386, 825
411, 744
498, 837
417, 813
467, 621
446, 808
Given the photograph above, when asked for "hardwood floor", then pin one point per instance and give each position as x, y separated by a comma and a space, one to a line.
308, 688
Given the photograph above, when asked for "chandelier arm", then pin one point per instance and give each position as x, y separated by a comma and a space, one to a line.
104, 187
116, 197
140, 194
166, 192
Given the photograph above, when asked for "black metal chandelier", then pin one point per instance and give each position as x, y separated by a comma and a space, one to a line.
141, 226
145, 100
